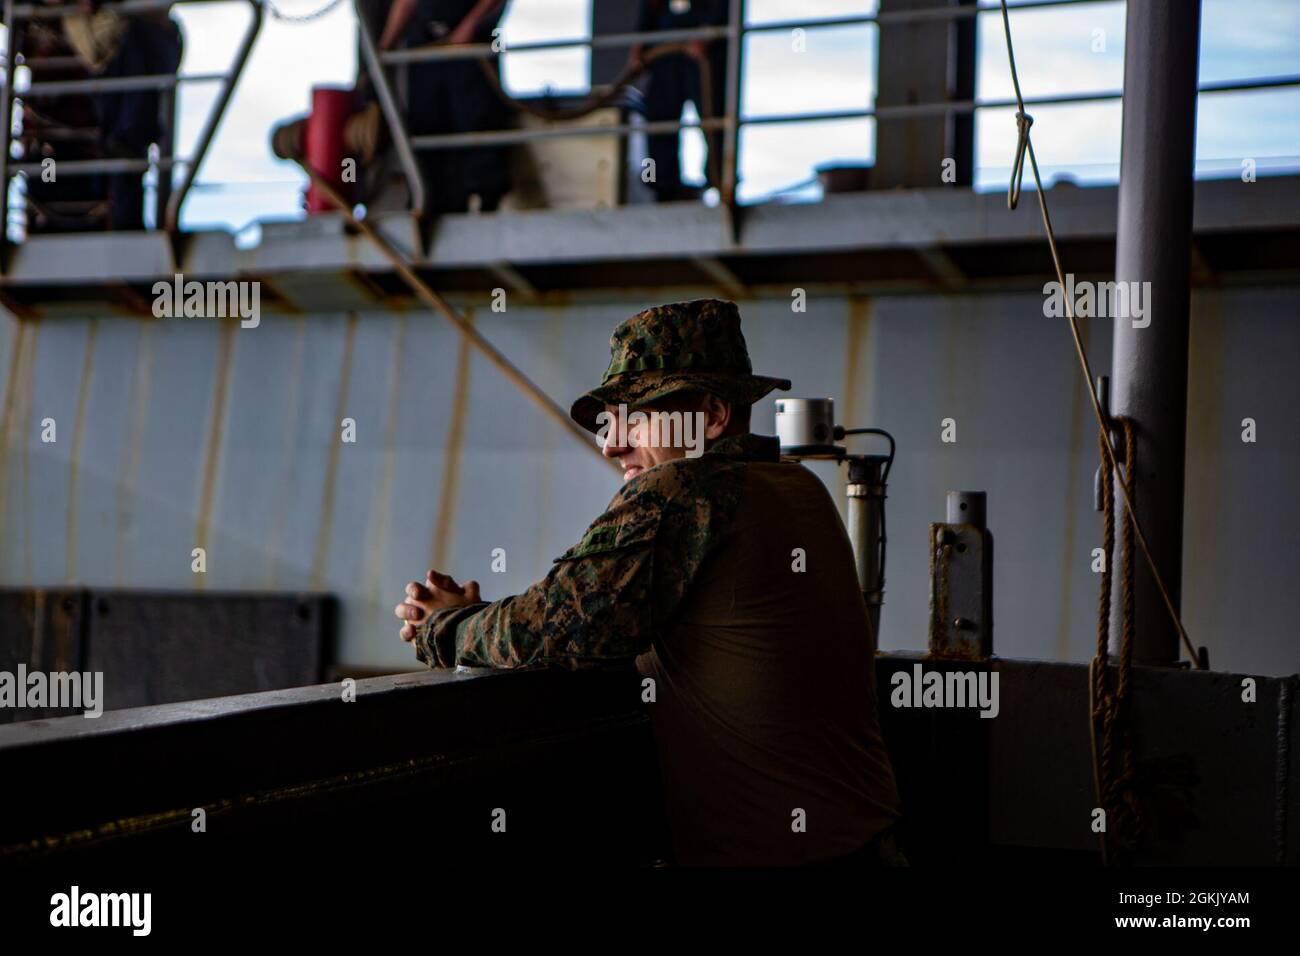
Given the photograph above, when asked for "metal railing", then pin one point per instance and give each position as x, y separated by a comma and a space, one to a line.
407, 146
729, 123
167, 213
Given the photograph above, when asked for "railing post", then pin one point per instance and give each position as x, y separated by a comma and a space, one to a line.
166, 150
1152, 254
387, 103
214, 119
731, 132
6, 139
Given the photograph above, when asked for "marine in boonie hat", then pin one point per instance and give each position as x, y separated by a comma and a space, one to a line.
681, 346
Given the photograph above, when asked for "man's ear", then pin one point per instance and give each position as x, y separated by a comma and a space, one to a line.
717, 417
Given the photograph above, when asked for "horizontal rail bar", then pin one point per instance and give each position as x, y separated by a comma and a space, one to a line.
902, 17
471, 51
32, 11
88, 167
475, 51
512, 136
39, 11
907, 111
912, 110
160, 81
52, 62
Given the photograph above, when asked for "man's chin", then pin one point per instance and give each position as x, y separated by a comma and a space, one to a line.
632, 472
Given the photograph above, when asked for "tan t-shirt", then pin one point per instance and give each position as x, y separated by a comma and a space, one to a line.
765, 713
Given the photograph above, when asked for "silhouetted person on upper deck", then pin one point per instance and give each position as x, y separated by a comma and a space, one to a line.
765, 699
453, 96
116, 46
674, 80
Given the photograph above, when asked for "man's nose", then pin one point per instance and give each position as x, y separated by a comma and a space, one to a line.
611, 448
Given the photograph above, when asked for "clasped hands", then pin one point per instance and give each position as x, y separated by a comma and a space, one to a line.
438, 591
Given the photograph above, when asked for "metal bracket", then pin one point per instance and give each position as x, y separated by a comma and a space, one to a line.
961, 581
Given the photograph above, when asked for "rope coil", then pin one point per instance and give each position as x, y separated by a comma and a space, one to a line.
1111, 728
1110, 715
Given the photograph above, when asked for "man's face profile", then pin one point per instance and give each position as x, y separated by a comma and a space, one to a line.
638, 439
682, 426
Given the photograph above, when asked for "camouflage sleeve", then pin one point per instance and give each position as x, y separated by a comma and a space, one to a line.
603, 599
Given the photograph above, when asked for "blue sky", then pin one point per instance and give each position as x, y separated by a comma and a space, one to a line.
242, 182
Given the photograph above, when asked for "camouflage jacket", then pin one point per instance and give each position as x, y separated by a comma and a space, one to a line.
607, 596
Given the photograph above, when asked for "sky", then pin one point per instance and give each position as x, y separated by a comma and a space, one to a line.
1058, 50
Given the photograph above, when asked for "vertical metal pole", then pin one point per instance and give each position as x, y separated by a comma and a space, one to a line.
731, 133
1149, 365
866, 500
6, 139
213, 121
392, 113
166, 152
961, 70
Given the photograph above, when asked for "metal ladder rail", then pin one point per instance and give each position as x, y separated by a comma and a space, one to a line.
392, 113
15, 13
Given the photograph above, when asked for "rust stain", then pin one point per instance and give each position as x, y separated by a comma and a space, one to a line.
7, 420
952, 327
1076, 466
288, 452
141, 387
383, 504
39, 616
855, 351
451, 463
320, 561
1210, 433
78, 438
858, 337
553, 350
28, 389
216, 430
938, 593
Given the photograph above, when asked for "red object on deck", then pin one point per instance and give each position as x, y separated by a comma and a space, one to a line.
330, 109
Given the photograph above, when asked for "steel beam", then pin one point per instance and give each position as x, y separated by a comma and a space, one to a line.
985, 247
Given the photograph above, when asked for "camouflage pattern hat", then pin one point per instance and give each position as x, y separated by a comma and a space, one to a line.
672, 348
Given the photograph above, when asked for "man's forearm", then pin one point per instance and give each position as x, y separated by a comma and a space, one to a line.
437, 640
399, 14
479, 11
506, 633
603, 598
587, 609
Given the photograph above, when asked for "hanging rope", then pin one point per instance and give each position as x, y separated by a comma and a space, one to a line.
1025, 146
1023, 122
1111, 729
